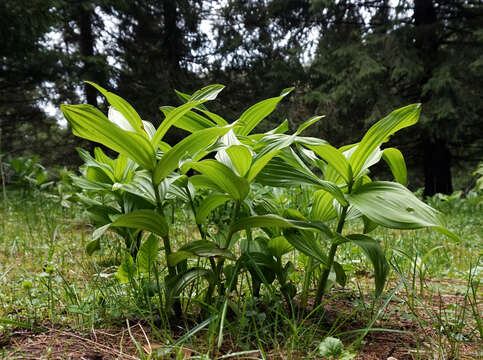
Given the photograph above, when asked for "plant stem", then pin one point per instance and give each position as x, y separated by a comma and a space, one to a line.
333, 248
4, 220
200, 229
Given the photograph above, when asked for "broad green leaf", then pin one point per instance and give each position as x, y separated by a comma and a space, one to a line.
99, 232
127, 269
216, 118
107, 166
150, 129
207, 93
87, 184
395, 160
187, 147
176, 285
372, 249
277, 173
322, 207
141, 185
334, 157
91, 124
369, 225
208, 204
280, 129
391, 205
123, 107
279, 246
380, 133
148, 220
190, 121
280, 222
256, 113
147, 254
204, 182
340, 275
97, 175
306, 244
202, 248
271, 146
241, 158
120, 166
223, 177
93, 246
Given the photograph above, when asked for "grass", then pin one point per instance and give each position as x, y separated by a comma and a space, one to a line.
56, 301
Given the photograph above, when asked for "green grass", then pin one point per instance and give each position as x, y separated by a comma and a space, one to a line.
431, 307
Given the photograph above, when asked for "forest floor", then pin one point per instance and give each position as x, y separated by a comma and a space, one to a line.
58, 303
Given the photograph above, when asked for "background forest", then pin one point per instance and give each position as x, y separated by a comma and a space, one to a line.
353, 61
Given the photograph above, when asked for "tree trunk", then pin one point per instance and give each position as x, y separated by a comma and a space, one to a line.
437, 167
86, 46
437, 157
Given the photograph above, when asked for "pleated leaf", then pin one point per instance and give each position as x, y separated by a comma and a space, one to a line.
91, 124
380, 133
391, 205
147, 220
256, 113
372, 249
224, 177
187, 147
395, 159
208, 204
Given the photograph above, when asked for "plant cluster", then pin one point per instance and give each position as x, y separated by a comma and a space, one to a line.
220, 172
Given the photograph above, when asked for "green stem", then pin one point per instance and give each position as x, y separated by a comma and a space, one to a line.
166, 241
200, 229
333, 248
221, 262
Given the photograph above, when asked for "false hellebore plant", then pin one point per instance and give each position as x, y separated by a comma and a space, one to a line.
149, 176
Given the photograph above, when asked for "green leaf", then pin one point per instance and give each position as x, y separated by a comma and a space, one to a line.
380, 133
208, 204
91, 124
277, 173
106, 165
99, 232
369, 225
205, 94
93, 246
340, 275
372, 249
391, 205
241, 158
127, 269
331, 348
306, 244
148, 220
280, 222
256, 113
141, 185
187, 147
176, 285
147, 254
96, 174
271, 145
279, 246
322, 206
87, 184
223, 177
308, 123
123, 107
395, 160
335, 159
190, 121
202, 248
